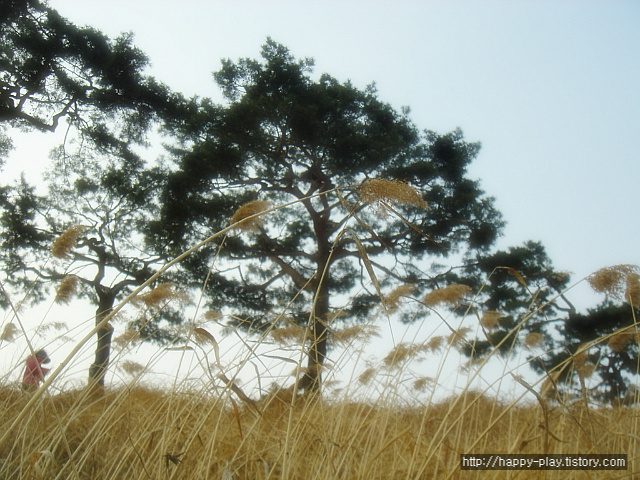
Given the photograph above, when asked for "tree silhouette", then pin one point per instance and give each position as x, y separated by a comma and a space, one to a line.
52, 70
601, 344
370, 193
83, 239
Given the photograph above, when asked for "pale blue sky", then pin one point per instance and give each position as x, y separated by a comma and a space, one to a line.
550, 88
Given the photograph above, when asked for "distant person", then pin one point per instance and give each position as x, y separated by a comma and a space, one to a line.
34, 372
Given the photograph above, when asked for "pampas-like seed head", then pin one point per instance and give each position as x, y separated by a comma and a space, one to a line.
241, 217
66, 242
212, 315
583, 367
67, 289
392, 301
490, 319
404, 352
9, 332
379, 192
457, 338
435, 343
632, 292
422, 383
451, 294
288, 335
162, 293
612, 281
620, 341
533, 340
348, 335
132, 368
585, 370
129, 337
366, 376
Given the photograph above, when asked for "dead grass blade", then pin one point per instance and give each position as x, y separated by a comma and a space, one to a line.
516, 274
204, 334
362, 251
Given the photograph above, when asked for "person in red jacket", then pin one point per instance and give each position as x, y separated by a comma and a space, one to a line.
34, 372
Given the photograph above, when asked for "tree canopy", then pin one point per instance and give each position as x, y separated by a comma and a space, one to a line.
51, 69
370, 193
601, 344
83, 240
340, 205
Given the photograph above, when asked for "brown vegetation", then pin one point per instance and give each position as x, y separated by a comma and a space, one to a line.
142, 433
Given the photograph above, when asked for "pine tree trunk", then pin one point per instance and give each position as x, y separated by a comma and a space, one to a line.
312, 379
98, 369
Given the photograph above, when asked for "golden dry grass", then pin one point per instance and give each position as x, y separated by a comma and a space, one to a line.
616, 281
451, 294
142, 433
245, 217
378, 191
66, 289
134, 432
67, 241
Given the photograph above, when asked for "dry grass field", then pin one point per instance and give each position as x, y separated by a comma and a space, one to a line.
141, 433
185, 431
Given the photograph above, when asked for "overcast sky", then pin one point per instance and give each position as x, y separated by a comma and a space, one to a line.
550, 88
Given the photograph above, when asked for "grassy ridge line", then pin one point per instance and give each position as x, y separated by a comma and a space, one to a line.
142, 433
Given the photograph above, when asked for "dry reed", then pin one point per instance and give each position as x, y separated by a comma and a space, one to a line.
612, 281
142, 433
9, 332
451, 294
490, 319
67, 241
67, 289
243, 218
381, 193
